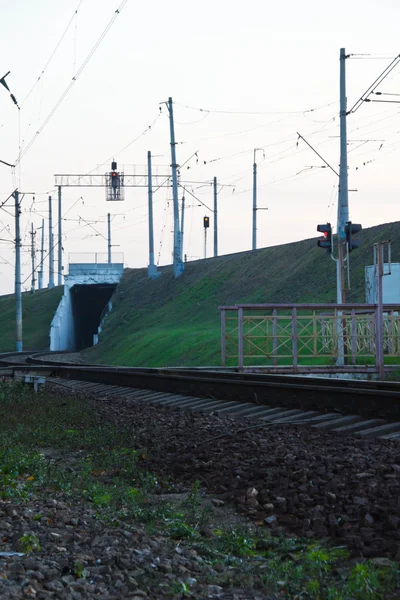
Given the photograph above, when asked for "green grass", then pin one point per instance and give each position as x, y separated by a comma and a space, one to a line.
37, 313
170, 322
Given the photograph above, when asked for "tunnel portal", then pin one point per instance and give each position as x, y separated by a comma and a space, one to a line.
88, 303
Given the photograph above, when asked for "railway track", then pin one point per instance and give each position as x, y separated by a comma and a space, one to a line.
369, 409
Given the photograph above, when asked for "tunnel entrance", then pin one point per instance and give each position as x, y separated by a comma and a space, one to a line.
88, 303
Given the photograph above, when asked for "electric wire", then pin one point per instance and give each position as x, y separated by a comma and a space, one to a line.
74, 79
42, 72
238, 112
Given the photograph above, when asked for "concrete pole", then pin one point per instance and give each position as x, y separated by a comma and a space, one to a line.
178, 264
60, 268
343, 200
51, 249
109, 237
254, 241
41, 259
33, 281
18, 295
152, 271
215, 217
379, 315
150, 198
182, 221
205, 242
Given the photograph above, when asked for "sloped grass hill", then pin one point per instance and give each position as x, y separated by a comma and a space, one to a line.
37, 313
170, 322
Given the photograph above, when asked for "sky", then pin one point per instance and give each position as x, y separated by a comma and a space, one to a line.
241, 75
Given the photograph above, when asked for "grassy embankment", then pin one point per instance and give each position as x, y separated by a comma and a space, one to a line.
37, 313
174, 322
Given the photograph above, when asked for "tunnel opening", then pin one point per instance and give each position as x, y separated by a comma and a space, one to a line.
88, 303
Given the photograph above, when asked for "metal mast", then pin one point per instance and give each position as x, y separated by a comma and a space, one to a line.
60, 268
254, 244
109, 237
182, 221
178, 264
18, 295
51, 249
343, 200
41, 258
215, 217
33, 281
152, 269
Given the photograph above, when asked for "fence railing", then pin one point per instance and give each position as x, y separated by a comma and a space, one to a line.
95, 257
300, 337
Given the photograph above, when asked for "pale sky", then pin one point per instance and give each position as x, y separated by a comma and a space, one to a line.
264, 70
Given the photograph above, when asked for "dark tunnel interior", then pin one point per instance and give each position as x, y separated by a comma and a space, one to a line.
88, 303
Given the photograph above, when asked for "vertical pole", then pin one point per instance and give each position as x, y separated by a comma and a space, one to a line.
343, 200
379, 316
33, 259
178, 264
275, 336
182, 221
215, 217
240, 339
205, 242
150, 197
294, 339
223, 336
152, 272
51, 249
60, 268
41, 258
353, 337
254, 244
18, 295
109, 237
343, 204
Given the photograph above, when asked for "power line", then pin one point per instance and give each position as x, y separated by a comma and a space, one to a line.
236, 112
74, 79
374, 85
42, 72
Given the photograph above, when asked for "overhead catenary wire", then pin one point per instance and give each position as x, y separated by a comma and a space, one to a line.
365, 96
74, 79
42, 72
253, 112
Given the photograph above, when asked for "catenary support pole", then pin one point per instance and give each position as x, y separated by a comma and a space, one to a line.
152, 271
182, 221
60, 267
178, 264
41, 272
51, 248
33, 281
343, 208
41, 269
379, 314
109, 237
343, 200
254, 241
18, 295
215, 217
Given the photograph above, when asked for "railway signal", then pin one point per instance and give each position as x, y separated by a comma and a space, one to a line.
206, 225
325, 242
350, 230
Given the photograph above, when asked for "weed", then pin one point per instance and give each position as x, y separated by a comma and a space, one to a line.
28, 543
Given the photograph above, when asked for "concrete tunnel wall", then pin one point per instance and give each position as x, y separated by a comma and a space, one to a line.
87, 292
